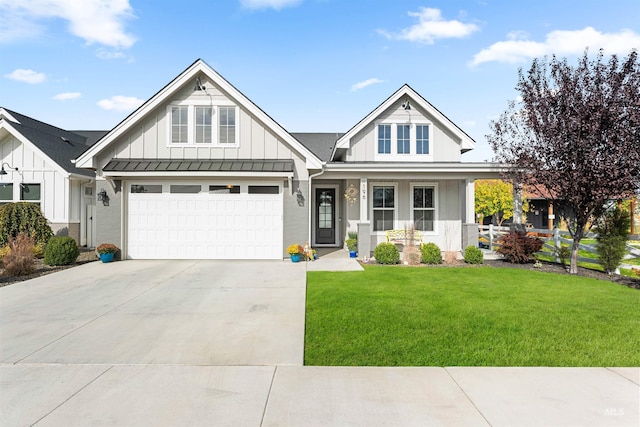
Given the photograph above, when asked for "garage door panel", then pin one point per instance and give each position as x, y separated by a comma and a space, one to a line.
205, 226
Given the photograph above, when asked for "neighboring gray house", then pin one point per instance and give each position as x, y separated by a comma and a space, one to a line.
200, 171
45, 174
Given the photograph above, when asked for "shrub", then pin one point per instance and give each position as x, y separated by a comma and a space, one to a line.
352, 244
386, 253
61, 251
23, 217
563, 253
19, 261
473, 255
431, 253
4, 251
38, 250
613, 232
518, 248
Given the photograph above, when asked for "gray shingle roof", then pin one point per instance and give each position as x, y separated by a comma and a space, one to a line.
197, 165
320, 144
59, 145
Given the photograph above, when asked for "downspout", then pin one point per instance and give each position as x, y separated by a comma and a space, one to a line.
310, 198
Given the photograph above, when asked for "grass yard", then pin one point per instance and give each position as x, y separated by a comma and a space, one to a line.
399, 316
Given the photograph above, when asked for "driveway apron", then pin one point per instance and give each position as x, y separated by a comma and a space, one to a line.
158, 312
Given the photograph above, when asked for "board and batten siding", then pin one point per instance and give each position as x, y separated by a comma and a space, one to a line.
34, 168
148, 139
444, 145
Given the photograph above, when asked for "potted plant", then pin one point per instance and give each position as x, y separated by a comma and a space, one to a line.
295, 251
352, 244
106, 251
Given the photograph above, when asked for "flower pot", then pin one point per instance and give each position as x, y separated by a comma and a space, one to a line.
295, 258
106, 257
353, 254
315, 256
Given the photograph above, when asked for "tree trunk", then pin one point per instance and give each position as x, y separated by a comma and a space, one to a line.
574, 255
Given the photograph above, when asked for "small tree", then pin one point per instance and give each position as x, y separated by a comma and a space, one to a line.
574, 136
613, 232
494, 197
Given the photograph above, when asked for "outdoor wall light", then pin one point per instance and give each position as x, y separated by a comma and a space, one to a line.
103, 197
4, 172
300, 197
406, 105
198, 86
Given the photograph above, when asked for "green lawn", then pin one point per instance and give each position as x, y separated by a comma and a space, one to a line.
400, 316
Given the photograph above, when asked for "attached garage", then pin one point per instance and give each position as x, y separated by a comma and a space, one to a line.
205, 220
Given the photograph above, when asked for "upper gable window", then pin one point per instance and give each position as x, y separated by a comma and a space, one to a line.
401, 142
203, 125
384, 139
404, 139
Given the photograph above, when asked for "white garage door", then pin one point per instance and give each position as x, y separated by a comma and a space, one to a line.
204, 221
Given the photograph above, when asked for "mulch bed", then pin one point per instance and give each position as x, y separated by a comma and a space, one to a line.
42, 269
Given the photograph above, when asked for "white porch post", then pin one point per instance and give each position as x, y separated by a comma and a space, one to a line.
470, 202
364, 212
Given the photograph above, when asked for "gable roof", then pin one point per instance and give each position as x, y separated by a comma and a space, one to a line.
466, 142
59, 145
188, 76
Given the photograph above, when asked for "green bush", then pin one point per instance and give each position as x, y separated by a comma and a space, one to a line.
473, 255
386, 253
431, 253
61, 251
613, 232
23, 217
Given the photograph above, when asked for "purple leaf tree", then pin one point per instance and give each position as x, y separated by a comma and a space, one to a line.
575, 135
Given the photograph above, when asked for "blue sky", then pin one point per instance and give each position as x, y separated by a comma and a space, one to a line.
313, 65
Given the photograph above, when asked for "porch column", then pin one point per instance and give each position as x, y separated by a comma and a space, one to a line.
551, 215
364, 226
364, 212
470, 202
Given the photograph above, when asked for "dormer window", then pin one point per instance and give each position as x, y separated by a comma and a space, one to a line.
202, 125
402, 142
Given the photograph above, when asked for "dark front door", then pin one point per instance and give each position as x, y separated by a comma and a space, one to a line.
325, 216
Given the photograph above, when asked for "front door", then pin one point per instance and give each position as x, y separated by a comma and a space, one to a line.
325, 216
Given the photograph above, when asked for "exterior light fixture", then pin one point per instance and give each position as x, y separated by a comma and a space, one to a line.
103, 197
406, 105
198, 86
4, 172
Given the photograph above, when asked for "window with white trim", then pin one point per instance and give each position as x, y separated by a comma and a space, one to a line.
422, 139
227, 125
404, 139
384, 202
401, 142
179, 124
202, 124
6, 193
384, 139
423, 206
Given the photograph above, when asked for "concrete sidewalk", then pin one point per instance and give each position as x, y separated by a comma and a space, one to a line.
200, 343
166, 395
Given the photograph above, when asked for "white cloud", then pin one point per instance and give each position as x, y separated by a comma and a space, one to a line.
95, 21
26, 76
365, 83
266, 4
120, 103
66, 96
518, 50
430, 27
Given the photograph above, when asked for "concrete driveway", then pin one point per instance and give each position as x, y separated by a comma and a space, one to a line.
158, 312
211, 343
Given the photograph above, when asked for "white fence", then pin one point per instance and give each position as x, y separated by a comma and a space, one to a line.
552, 241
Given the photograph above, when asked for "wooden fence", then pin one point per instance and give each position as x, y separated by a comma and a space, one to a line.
552, 240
